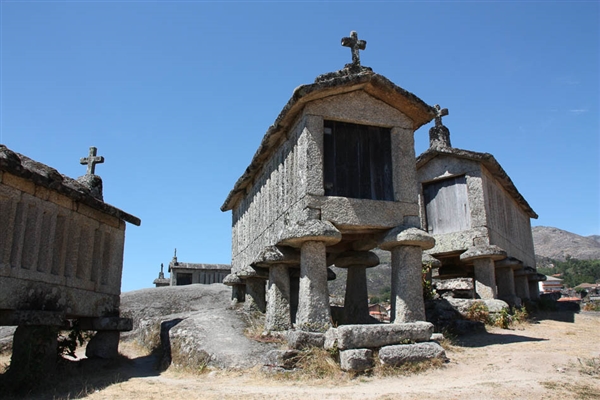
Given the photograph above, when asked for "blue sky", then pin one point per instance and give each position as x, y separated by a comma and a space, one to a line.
177, 96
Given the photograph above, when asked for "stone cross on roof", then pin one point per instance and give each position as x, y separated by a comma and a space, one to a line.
355, 45
91, 160
440, 112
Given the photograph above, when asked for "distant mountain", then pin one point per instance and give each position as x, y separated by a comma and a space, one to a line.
557, 244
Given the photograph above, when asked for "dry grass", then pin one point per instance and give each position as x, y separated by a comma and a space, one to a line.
590, 366
572, 390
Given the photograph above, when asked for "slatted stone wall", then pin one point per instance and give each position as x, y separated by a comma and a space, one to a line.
59, 249
508, 225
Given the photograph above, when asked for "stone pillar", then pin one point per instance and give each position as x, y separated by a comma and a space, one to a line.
521, 284
505, 280
104, 344
356, 301
312, 237
406, 245
255, 294
483, 258
534, 287
278, 259
238, 287
314, 313
35, 350
278, 299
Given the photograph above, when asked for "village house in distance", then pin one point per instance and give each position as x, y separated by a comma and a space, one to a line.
335, 177
183, 273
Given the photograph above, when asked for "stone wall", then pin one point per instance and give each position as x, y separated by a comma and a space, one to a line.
54, 250
508, 225
277, 196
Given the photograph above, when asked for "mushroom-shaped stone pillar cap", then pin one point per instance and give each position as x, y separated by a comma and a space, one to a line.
407, 236
250, 273
357, 258
273, 255
476, 252
428, 259
310, 230
232, 280
509, 262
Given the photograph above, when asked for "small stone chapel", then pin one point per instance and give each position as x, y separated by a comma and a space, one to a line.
333, 178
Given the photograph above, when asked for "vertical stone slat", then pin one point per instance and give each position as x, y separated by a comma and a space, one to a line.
97, 257
47, 241
8, 216
84, 259
106, 258
19, 234
60, 245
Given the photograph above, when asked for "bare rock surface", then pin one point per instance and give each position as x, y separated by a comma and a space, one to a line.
6, 336
209, 331
557, 244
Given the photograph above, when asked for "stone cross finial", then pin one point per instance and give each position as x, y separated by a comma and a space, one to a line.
91, 160
441, 112
355, 45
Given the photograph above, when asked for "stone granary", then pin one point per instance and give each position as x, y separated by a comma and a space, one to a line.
61, 255
183, 273
333, 178
480, 221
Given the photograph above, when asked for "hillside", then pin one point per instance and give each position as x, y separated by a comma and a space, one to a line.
557, 244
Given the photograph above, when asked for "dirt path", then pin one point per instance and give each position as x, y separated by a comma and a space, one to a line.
542, 360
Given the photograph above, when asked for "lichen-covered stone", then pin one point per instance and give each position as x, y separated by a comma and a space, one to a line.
356, 360
400, 354
370, 336
407, 236
301, 340
285, 359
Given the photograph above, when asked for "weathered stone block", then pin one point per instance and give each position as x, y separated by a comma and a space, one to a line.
104, 344
17, 182
300, 339
356, 360
400, 354
281, 358
370, 336
330, 338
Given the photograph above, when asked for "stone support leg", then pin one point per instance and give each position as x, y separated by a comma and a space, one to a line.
505, 280
255, 295
278, 302
35, 350
534, 290
238, 293
522, 287
313, 301
104, 344
407, 286
294, 293
485, 278
356, 302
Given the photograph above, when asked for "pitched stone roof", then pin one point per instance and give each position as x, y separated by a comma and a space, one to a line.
334, 83
487, 160
43, 175
195, 266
